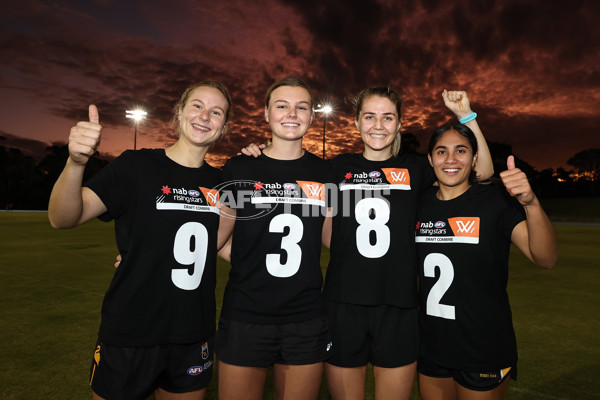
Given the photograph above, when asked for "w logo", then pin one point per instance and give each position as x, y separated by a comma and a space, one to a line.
313, 190
465, 226
397, 176
211, 196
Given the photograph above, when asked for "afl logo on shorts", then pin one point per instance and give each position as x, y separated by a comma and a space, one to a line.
193, 371
194, 193
374, 174
440, 224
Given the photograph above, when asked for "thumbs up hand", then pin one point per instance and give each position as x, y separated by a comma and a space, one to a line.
85, 137
516, 183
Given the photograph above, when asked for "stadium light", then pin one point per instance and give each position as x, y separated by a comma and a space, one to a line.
136, 116
326, 109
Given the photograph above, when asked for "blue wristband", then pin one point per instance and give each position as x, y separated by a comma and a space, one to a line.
468, 118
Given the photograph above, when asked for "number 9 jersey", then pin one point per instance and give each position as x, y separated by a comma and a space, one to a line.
463, 246
166, 222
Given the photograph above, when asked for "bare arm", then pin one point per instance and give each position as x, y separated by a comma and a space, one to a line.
71, 204
535, 236
326, 233
458, 102
225, 252
226, 224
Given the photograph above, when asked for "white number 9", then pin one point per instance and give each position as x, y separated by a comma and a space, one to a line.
191, 235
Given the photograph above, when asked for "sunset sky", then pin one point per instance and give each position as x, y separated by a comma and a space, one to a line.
531, 67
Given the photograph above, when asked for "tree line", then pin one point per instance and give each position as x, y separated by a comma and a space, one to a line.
26, 185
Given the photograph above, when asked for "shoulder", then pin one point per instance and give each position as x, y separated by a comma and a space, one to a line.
238, 160
308, 156
413, 159
429, 196
343, 161
210, 170
491, 195
141, 155
487, 189
341, 158
130, 158
310, 159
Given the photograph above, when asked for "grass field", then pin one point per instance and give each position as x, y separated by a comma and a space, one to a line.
52, 284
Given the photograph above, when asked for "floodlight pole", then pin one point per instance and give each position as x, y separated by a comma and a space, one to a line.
137, 116
326, 109
324, 125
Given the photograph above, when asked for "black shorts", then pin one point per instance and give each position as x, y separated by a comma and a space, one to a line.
384, 335
479, 381
130, 373
258, 345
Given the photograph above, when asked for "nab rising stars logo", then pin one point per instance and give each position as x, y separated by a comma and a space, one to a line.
182, 194
203, 200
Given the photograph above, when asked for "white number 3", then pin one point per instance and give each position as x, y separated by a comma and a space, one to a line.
289, 244
189, 248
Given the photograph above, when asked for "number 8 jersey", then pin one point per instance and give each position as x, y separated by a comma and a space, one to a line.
463, 246
275, 272
166, 223
373, 258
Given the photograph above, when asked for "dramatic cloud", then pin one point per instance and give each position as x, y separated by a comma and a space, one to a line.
531, 68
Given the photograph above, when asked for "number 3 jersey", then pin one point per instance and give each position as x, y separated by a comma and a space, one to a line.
373, 258
275, 272
166, 222
463, 247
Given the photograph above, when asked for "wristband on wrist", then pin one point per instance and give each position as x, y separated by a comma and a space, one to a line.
468, 118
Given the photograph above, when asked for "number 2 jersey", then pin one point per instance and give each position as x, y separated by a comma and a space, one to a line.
166, 223
275, 272
373, 259
463, 246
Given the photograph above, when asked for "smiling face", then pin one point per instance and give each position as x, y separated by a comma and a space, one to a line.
452, 160
202, 118
378, 123
289, 112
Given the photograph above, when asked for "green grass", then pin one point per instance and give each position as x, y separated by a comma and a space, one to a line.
52, 283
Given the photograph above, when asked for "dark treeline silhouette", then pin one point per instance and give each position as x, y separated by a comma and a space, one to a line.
25, 185
583, 181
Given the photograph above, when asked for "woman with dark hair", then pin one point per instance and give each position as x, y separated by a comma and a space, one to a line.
158, 315
272, 308
464, 232
371, 282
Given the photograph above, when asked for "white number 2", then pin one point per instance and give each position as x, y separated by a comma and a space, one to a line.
434, 307
367, 225
190, 235
289, 244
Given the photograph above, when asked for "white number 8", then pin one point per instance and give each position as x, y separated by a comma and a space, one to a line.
367, 225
